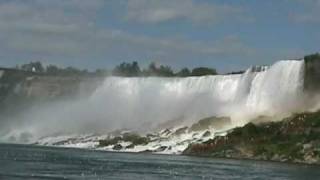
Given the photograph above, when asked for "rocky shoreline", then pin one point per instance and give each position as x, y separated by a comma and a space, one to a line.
295, 139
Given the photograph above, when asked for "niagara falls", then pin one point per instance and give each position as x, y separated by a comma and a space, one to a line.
127, 103
159, 89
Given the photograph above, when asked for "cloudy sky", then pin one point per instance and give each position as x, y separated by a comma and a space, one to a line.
226, 34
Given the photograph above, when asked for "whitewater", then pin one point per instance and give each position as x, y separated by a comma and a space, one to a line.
150, 101
149, 104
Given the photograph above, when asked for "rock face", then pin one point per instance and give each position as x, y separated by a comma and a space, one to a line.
312, 73
295, 139
20, 88
133, 138
211, 122
41, 86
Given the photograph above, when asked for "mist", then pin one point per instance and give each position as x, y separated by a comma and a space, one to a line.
142, 104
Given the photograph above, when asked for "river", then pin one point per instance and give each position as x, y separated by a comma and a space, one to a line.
38, 162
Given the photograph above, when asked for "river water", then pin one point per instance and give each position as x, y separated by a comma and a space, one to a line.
37, 162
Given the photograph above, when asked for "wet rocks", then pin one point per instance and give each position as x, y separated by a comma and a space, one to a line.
211, 122
180, 131
135, 139
117, 147
294, 139
206, 134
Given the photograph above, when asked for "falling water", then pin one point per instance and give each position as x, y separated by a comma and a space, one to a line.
144, 103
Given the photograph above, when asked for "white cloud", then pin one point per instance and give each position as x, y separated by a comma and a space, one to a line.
37, 24
155, 11
68, 29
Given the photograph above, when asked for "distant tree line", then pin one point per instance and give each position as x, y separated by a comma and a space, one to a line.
133, 69
124, 69
38, 68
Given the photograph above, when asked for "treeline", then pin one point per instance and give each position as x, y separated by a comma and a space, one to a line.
38, 68
133, 69
124, 69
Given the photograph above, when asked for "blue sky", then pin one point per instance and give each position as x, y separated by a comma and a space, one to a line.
225, 34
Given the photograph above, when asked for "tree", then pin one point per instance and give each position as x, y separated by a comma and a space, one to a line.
185, 72
134, 69
33, 67
312, 57
202, 71
52, 70
165, 71
127, 69
154, 70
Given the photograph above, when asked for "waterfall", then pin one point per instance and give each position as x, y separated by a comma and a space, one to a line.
275, 91
143, 103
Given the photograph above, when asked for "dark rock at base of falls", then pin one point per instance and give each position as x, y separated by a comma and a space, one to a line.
180, 131
211, 122
294, 139
206, 134
117, 147
134, 138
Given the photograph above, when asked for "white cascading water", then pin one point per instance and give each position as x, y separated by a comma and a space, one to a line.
144, 103
276, 91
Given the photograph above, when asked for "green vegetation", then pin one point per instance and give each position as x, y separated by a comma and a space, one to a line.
133, 69
37, 68
124, 69
294, 139
108, 142
202, 71
33, 67
135, 139
185, 72
312, 57
154, 70
127, 69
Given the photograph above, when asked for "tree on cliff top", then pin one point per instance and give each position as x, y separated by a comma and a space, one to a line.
127, 69
33, 67
202, 71
185, 72
312, 57
52, 70
162, 70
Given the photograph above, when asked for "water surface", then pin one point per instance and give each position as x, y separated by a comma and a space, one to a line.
36, 162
